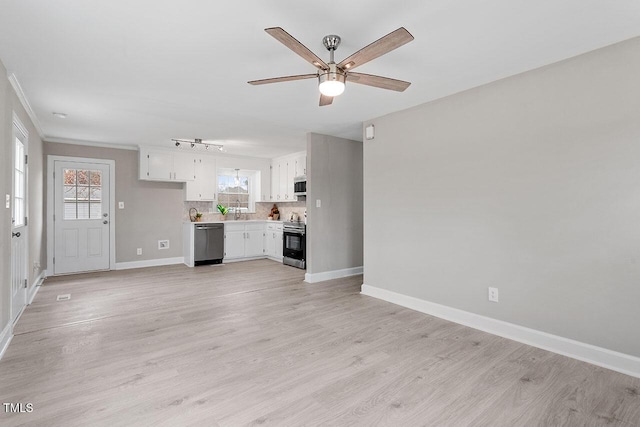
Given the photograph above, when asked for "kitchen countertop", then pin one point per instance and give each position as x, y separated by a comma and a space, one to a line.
232, 221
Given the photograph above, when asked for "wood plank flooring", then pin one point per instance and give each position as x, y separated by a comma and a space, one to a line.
249, 343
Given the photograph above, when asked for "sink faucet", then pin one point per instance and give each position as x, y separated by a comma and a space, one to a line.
236, 215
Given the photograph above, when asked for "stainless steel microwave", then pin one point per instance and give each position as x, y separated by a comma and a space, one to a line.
300, 185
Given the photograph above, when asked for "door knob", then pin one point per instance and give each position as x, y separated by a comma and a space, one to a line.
15, 234
105, 222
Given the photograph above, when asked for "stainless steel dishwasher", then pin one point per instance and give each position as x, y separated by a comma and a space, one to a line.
209, 244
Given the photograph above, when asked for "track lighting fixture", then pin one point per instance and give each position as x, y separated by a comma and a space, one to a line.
197, 142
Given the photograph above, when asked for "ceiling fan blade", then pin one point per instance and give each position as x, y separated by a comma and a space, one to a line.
378, 81
283, 79
386, 44
325, 100
289, 41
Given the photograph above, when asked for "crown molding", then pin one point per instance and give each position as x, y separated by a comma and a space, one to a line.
15, 84
91, 143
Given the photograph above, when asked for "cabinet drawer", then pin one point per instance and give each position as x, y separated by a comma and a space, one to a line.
279, 227
271, 227
254, 227
233, 227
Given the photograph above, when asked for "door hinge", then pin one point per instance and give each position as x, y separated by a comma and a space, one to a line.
147, 173
26, 221
54, 260
54, 175
147, 156
26, 159
25, 283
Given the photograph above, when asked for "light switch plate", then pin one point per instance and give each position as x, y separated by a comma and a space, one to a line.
120, 205
7, 204
318, 203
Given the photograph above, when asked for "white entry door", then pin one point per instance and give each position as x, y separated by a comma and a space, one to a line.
19, 247
82, 217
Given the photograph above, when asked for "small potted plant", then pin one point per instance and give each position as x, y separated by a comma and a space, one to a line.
223, 211
198, 217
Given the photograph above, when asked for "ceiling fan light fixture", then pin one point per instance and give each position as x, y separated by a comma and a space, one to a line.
331, 82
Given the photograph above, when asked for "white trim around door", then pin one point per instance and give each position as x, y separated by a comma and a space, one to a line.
51, 206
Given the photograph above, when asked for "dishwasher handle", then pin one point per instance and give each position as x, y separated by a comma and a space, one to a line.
209, 227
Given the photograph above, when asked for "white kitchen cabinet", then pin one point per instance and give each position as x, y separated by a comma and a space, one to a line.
233, 244
204, 186
165, 165
243, 240
273, 241
300, 164
253, 244
284, 180
283, 170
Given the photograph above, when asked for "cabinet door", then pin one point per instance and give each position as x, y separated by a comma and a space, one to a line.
301, 165
275, 180
283, 181
270, 243
160, 165
184, 167
253, 244
278, 244
234, 244
291, 173
208, 178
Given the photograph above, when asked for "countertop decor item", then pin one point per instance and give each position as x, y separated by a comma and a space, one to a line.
275, 213
198, 217
223, 211
193, 214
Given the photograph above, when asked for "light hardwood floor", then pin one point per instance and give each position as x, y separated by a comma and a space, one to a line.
250, 343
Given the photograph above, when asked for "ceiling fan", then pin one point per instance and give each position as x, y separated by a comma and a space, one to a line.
331, 76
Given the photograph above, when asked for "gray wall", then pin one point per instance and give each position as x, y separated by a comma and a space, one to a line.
5, 184
530, 184
334, 175
9, 103
153, 210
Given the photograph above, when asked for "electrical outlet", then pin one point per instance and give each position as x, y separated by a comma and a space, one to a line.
493, 294
163, 244
120, 205
63, 297
7, 203
318, 203
139, 251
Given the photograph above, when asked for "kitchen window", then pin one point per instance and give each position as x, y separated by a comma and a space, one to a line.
237, 186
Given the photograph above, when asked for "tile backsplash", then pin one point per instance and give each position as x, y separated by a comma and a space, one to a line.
262, 210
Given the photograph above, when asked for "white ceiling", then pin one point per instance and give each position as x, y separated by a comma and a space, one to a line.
145, 71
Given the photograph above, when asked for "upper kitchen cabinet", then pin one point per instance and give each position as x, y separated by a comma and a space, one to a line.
300, 164
203, 187
165, 165
283, 170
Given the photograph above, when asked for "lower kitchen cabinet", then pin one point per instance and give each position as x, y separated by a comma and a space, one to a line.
273, 241
243, 240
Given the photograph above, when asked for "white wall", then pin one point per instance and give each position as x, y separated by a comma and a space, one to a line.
530, 184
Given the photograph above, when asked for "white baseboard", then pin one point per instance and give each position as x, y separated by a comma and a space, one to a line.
5, 338
149, 263
227, 260
620, 362
35, 287
334, 274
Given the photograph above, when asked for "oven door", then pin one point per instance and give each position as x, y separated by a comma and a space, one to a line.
294, 245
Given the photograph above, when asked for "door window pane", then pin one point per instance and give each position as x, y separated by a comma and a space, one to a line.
82, 194
19, 191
